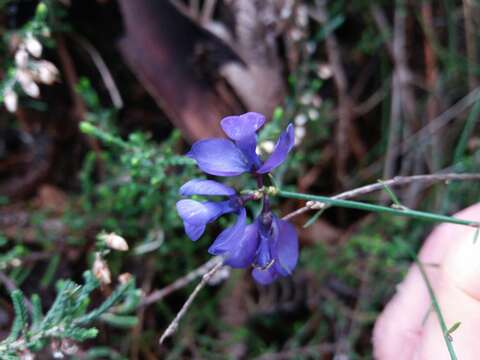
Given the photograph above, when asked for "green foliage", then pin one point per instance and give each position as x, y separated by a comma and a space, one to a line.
67, 318
129, 185
143, 177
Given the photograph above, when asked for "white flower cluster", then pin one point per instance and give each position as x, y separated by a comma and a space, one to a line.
310, 103
30, 70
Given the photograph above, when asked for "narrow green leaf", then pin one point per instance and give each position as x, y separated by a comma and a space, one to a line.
391, 194
454, 327
20, 321
114, 298
314, 218
37, 313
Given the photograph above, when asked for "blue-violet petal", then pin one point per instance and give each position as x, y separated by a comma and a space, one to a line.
238, 127
227, 237
220, 157
198, 213
264, 277
205, 187
282, 148
242, 129
194, 232
285, 248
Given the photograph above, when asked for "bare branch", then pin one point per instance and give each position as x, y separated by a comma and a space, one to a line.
174, 324
158, 295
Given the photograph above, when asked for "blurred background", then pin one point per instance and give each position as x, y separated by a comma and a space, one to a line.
375, 89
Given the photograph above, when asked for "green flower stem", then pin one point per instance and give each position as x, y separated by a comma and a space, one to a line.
421, 215
436, 308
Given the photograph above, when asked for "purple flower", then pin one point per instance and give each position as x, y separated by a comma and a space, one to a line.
195, 214
223, 157
237, 244
269, 244
277, 253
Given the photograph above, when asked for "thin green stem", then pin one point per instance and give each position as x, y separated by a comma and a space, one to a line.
421, 215
436, 306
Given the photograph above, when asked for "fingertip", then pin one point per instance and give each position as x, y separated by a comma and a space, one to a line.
398, 329
462, 265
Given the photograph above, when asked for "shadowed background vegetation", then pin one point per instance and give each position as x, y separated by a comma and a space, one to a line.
376, 89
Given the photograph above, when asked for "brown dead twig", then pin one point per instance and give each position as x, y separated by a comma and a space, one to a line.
158, 295
470, 11
208, 269
431, 79
71, 77
423, 135
403, 110
346, 136
174, 324
102, 68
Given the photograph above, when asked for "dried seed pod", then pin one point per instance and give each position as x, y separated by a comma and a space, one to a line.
101, 271
124, 278
115, 242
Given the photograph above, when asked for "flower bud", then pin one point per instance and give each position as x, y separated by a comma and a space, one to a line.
46, 72
115, 242
324, 71
300, 133
101, 271
11, 101
23, 76
31, 89
21, 58
300, 120
124, 278
33, 46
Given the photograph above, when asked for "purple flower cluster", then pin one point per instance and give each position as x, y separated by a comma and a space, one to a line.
269, 244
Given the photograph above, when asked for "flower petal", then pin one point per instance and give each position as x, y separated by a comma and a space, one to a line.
239, 127
285, 248
228, 237
198, 213
242, 129
242, 251
282, 148
264, 277
205, 187
263, 256
219, 157
194, 232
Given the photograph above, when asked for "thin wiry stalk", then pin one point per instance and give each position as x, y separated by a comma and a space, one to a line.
396, 181
436, 308
421, 215
174, 324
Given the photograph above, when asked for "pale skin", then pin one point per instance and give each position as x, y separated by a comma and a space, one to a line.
408, 328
